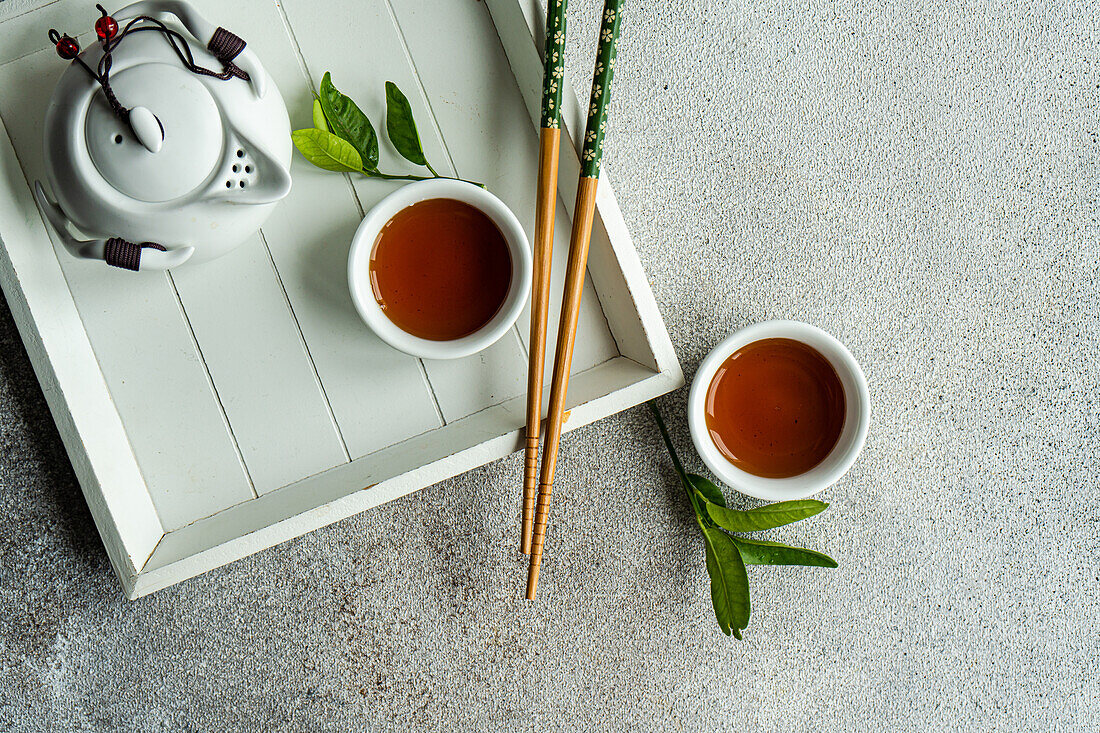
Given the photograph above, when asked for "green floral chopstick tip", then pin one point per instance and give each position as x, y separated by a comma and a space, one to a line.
343, 139
600, 99
554, 64
727, 554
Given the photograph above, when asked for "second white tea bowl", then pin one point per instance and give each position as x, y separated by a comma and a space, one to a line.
362, 244
853, 434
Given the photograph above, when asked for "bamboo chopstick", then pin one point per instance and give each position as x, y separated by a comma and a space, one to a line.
546, 203
579, 240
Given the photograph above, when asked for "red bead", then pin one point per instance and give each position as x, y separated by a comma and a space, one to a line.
68, 48
106, 28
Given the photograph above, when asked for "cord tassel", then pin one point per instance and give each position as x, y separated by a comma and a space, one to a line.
227, 46
118, 252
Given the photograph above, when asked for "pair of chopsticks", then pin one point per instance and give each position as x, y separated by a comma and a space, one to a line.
535, 513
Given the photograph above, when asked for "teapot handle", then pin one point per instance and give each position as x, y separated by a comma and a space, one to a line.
203, 31
114, 251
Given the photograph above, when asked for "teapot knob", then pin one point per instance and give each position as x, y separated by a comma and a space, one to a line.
147, 128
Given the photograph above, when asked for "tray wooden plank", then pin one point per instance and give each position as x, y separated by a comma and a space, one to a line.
22, 29
309, 236
265, 380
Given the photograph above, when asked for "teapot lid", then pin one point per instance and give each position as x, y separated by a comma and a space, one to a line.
192, 125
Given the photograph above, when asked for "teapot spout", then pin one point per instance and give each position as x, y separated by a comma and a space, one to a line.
271, 180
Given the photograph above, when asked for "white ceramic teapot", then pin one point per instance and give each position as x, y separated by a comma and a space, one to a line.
175, 148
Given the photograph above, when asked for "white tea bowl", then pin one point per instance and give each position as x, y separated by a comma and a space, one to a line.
853, 434
362, 245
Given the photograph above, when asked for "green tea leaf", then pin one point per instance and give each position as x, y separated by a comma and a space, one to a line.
758, 552
401, 127
729, 583
319, 120
327, 151
765, 517
726, 555
348, 121
707, 488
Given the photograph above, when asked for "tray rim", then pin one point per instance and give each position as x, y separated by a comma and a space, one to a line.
75, 391
92, 430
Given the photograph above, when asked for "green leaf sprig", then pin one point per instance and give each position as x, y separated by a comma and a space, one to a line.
726, 554
343, 139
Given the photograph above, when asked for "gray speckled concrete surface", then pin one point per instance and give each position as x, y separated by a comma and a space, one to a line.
920, 179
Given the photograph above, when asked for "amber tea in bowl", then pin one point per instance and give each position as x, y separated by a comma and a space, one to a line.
775, 408
779, 410
440, 269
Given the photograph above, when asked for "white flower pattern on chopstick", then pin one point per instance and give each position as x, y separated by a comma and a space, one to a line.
555, 59
600, 104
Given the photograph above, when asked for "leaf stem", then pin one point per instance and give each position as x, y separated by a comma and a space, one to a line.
701, 517
429, 167
668, 440
388, 177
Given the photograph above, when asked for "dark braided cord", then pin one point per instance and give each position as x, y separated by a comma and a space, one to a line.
117, 107
118, 252
224, 45
221, 43
227, 46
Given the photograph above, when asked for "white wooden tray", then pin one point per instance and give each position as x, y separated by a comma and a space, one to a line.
218, 410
